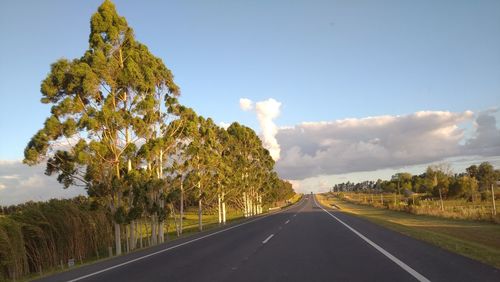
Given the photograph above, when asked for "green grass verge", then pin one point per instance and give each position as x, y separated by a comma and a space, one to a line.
473, 239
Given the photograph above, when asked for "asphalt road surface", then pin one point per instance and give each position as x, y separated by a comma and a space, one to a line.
302, 243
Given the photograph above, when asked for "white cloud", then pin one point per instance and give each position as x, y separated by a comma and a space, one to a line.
21, 183
324, 148
13, 176
267, 111
323, 183
486, 141
246, 104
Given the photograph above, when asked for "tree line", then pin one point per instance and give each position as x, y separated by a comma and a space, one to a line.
474, 184
116, 127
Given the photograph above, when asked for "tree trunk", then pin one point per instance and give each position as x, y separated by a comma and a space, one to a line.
248, 205
260, 204
118, 243
219, 208
176, 222
223, 209
200, 221
141, 235
127, 237
161, 233
181, 208
153, 230
245, 205
133, 240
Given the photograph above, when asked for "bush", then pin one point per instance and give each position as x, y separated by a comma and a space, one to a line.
36, 237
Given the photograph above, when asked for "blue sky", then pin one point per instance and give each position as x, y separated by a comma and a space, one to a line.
323, 60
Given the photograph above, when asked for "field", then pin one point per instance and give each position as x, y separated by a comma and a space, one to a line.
418, 204
475, 239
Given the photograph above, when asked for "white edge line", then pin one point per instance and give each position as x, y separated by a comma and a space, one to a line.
176, 246
401, 264
268, 238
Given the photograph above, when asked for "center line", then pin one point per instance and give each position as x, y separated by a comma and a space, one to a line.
287, 221
268, 238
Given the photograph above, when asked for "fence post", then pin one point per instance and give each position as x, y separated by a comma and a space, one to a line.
441, 199
493, 200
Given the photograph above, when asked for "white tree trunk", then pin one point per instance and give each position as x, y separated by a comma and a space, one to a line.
127, 237
252, 205
181, 208
260, 201
219, 208
141, 228
118, 240
153, 230
200, 221
133, 240
244, 205
176, 222
161, 232
249, 205
223, 209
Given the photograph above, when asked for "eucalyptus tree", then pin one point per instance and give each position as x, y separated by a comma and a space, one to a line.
247, 148
104, 103
224, 170
202, 159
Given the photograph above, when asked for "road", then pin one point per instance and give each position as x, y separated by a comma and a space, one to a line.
302, 243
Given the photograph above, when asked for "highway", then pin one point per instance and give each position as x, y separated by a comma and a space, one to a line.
303, 243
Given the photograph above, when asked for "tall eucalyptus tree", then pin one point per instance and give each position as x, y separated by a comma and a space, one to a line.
104, 103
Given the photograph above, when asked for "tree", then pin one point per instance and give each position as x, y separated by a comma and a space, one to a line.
486, 176
472, 171
104, 103
438, 177
464, 186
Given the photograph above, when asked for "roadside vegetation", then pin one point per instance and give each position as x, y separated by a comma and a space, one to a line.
150, 165
40, 238
478, 240
470, 195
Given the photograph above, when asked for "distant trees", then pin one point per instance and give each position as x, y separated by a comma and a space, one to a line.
437, 181
117, 129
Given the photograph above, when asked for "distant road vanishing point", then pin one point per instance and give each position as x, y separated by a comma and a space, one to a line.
303, 243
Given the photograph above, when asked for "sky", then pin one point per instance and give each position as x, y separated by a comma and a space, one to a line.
338, 90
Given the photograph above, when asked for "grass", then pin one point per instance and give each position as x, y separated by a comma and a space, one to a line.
474, 239
418, 204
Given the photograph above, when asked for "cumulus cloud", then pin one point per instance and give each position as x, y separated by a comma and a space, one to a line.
324, 148
486, 141
246, 104
266, 111
20, 183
